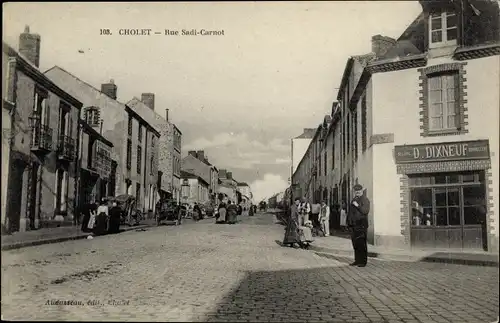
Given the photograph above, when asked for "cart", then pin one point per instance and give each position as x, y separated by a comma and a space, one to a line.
127, 203
169, 212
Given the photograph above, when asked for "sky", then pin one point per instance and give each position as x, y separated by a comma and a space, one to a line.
240, 96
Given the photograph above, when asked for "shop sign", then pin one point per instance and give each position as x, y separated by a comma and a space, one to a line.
444, 151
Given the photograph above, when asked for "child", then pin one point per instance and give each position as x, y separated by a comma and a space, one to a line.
305, 234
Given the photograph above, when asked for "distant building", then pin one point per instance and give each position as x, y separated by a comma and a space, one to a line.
169, 146
246, 194
299, 146
228, 186
194, 189
39, 186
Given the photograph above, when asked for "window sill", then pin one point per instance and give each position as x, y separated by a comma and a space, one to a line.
450, 132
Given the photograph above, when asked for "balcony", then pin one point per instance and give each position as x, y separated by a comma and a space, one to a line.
41, 138
66, 148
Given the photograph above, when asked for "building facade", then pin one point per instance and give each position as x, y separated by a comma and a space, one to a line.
195, 189
426, 153
169, 146
96, 168
42, 166
300, 145
134, 140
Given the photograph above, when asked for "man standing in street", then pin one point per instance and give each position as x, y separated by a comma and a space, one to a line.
357, 219
324, 218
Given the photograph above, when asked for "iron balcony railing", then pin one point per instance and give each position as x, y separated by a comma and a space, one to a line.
41, 138
66, 147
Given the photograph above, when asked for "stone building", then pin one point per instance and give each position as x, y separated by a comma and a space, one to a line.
169, 146
42, 143
134, 139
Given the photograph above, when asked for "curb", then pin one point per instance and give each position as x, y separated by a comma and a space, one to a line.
434, 259
24, 244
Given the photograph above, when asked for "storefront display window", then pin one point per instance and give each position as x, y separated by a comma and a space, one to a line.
452, 199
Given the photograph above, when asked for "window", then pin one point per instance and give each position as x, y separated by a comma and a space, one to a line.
443, 103
139, 159
61, 190
92, 116
448, 199
326, 161
333, 154
130, 126
140, 133
151, 167
129, 154
40, 107
363, 124
443, 29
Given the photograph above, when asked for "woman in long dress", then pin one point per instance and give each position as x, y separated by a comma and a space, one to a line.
292, 230
343, 217
222, 213
101, 221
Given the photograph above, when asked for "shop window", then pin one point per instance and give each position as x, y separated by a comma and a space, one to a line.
451, 199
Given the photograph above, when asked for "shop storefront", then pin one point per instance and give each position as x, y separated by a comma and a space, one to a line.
447, 193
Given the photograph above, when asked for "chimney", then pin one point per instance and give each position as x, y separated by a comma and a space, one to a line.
166, 115
193, 153
201, 155
149, 100
382, 44
109, 89
229, 175
222, 173
29, 46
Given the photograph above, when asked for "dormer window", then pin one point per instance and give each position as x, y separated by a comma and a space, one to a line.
92, 116
442, 29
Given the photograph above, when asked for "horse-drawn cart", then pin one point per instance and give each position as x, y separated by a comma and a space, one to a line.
169, 212
128, 204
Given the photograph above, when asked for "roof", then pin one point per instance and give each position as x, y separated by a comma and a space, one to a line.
403, 48
307, 134
187, 175
91, 130
34, 72
147, 114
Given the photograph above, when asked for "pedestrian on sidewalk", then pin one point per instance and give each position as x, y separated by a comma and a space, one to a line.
343, 217
357, 219
196, 212
292, 227
324, 218
101, 221
115, 214
304, 210
87, 211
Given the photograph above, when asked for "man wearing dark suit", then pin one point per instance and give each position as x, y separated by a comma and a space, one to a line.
357, 220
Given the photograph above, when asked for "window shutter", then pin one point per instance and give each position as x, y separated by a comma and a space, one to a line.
45, 111
458, 103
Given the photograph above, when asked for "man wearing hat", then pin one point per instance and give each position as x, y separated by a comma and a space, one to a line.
357, 220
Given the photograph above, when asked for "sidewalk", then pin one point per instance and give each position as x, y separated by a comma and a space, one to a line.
340, 244
54, 235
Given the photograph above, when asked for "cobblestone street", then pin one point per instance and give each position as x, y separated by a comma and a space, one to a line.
207, 272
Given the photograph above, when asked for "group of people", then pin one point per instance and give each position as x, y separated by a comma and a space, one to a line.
305, 220
228, 213
101, 219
